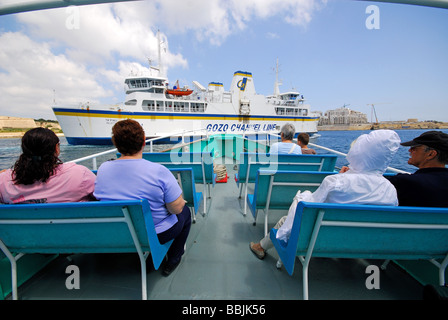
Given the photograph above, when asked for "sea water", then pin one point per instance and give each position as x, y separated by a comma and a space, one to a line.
337, 140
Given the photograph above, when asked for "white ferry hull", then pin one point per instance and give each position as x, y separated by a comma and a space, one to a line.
94, 127
212, 110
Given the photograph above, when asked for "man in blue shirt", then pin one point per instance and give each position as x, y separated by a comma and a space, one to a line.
286, 146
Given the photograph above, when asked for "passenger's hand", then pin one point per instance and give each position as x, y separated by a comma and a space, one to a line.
344, 169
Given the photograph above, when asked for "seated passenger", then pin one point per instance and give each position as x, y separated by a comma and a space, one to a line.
286, 146
302, 140
428, 186
39, 176
132, 177
361, 183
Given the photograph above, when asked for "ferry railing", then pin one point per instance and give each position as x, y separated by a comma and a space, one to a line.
207, 133
345, 155
182, 134
277, 136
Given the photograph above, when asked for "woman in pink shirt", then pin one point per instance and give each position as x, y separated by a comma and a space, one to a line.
39, 176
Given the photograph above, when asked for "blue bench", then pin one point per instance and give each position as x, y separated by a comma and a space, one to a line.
185, 178
80, 227
366, 232
200, 162
252, 162
276, 189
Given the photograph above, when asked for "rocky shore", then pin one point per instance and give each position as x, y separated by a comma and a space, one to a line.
14, 127
387, 125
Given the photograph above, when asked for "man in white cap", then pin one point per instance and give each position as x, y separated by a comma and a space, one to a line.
428, 186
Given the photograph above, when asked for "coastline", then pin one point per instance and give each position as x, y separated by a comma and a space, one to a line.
393, 125
386, 125
18, 135
359, 127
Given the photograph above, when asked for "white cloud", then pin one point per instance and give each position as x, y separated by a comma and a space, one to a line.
84, 53
30, 72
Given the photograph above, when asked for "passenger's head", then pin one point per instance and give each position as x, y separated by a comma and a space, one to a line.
303, 139
39, 158
428, 150
373, 152
128, 136
287, 132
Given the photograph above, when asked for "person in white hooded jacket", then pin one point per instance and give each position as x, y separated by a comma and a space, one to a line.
362, 182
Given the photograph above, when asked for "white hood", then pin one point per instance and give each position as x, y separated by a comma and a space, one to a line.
373, 152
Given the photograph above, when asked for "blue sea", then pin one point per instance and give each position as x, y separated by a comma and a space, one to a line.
337, 140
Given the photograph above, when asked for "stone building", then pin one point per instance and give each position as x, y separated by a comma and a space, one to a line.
342, 116
14, 122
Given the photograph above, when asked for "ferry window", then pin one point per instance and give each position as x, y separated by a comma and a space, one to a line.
169, 106
180, 106
159, 105
280, 110
141, 83
148, 105
132, 102
197, 107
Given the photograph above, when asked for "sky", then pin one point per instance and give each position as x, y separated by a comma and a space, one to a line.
334, 52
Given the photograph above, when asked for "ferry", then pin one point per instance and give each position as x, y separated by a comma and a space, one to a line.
163, 110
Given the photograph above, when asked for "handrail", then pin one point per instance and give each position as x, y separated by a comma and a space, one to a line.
150, 141
345, 155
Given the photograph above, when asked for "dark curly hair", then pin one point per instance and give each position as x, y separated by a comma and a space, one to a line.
128, 136
39, 160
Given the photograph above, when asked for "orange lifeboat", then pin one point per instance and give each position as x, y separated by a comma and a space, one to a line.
179, 92
176, 91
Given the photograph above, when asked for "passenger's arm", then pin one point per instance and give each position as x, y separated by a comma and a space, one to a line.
176, 206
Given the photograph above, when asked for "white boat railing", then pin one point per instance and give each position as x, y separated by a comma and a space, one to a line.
182, 134
188, 133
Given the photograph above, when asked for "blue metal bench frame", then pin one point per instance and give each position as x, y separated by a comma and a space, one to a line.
276, 189
185, 178
365, 232
200, 162
250, 163
80, 227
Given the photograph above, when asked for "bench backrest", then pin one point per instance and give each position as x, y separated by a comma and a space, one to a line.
185, 178
250, 163
79, 227
200, 162
370, 232
278, 188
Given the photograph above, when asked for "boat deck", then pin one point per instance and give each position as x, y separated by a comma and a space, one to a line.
218, 265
